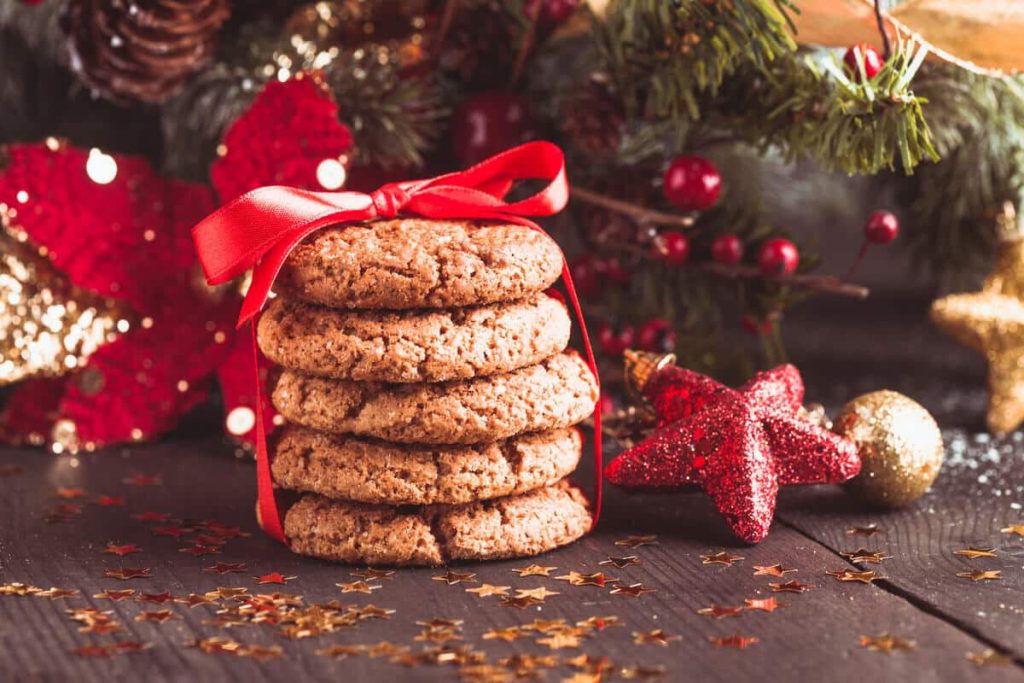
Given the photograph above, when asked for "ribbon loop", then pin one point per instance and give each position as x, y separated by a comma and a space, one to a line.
259, 229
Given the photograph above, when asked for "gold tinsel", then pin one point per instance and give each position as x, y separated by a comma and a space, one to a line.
899, 444
47, 326
992, 322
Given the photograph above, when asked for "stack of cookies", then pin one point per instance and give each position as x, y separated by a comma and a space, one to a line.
429, 399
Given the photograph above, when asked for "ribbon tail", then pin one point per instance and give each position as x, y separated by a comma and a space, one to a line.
266, 502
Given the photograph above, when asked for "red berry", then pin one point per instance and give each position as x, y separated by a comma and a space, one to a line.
727, 249
557, 11
692, 183
607, 404
656, 335
872, 61
778, 257
881, 227
612, 343
756, 326
673, 247
613, 269
488, 123
585, 275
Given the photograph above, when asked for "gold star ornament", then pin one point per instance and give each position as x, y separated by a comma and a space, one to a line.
992, 323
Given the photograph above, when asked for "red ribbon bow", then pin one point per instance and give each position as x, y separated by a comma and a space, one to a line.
259, 229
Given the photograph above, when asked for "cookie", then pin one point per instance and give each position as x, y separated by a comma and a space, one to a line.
514, 526
420, 263
413, 346
557, 392
338, 466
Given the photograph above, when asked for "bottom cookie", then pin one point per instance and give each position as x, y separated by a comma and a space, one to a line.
514, 526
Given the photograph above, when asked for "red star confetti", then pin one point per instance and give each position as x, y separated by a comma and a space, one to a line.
790, 587
127, 573
762, 604
142, 480
155, 598
655, 637
520, 602
173, 531
637, 541
159, 616
70, 493
121, 550
150, 516
738, 642
633, 590
451, 578
739, 445
772, 570
275, 577
123, 647
887, 643
720, 558
194, 600
720, 612
197, 550
108, 501
223, 593
226, 568
115, 595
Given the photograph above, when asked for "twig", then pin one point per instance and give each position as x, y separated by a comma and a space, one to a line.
633, 210
886, 46
829, 284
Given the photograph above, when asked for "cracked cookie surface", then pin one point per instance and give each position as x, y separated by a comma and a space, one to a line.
413, 346
513, 526
368, 471
558, 392
420, 263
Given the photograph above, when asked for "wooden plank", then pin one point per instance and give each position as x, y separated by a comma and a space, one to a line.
815, 632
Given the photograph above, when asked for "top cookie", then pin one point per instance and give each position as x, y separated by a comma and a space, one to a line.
420, 263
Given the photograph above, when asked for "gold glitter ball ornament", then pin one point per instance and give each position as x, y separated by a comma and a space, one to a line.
899, 444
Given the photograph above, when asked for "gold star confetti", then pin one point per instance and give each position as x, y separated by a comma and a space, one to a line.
127, 573
982, 575
159, 616
886, 642
121, 550
215, 645
850, 575
989, 658
262, 653
546, 625
633, 590
791, 586
599, 623
438, 635
865, 556
762, 604
226, 568
719, 612
642, 673
535, 570
385, 649
538, 593
576, 579
17, 588
524, 665
194, 600
451, 578
591, 664
341, 651
558, 641
59, 593
519, 603
370, 574
488, 589
637, 541
373, 612
971, 552
441, 622
223, 593
655, 637
358, 587
867, 531
1014, 529
738, 642
276, 577
115, 595
620, 562
507, 634
719, 558
772, 570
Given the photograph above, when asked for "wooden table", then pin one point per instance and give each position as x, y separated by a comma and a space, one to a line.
815, 635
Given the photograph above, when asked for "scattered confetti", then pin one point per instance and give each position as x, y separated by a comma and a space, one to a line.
982, 575
370, 574
771, 570
633, 590
174, 531
865, 556
200, 550
62, 512
850, 575
226, 568
451, 578
591, 664
507, 634
620, 562
358, 587
655, 637
558, 641
791, 586
1014, 529
69, 493
341, 651
535, 570
17, 588
642, 673
599, 623
576, 579
519, 603
156, 598
537, 593
720, 612
123, 647
224, 593
121, 550
887, 643
278, 578
488, 589
762, 604
115, 595
868, 531
720, 558
738, 642
194, 600
159, 616
127, 573
637, 541
972, 552
59, 593
989, 658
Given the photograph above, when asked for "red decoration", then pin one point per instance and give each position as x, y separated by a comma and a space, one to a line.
739, 445
872, 61
282, 138
692, 183
614, 343
258, 230
756, 326
487, 123
585, 272
656, 335
552, 11
672, 247
126, 239
882, 227
727, 250
778, 257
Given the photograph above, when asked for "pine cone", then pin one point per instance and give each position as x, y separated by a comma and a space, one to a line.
141, 50
480, 45
594, 118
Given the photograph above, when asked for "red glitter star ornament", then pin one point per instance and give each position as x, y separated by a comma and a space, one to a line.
738, 445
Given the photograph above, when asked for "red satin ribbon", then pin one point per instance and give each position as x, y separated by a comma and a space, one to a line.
260, 228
